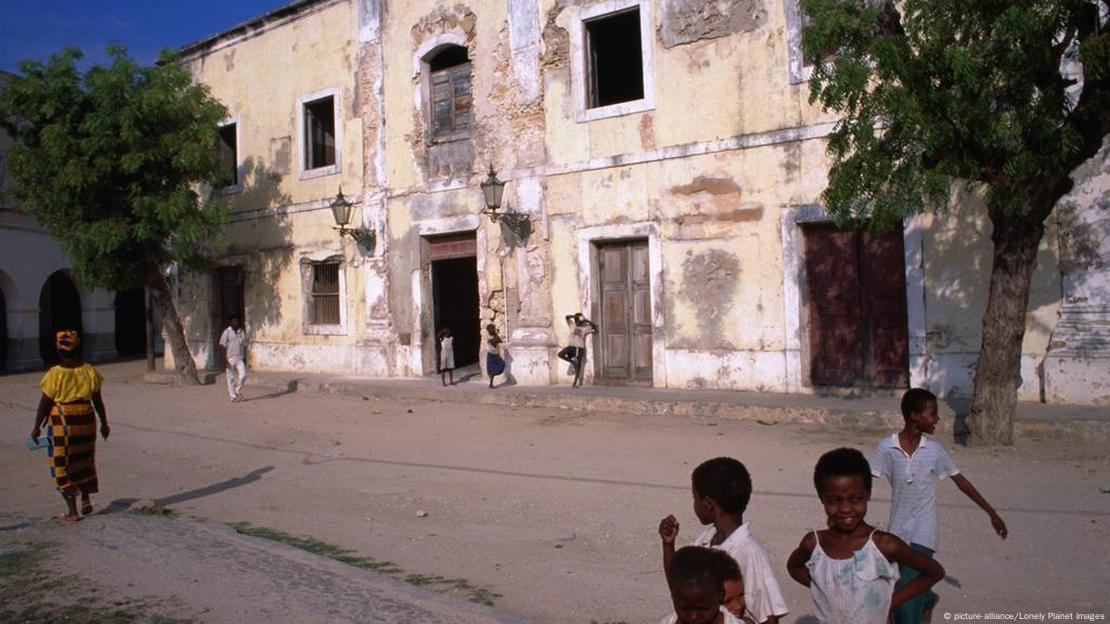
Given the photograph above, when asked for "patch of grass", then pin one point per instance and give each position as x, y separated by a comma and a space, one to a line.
153, 511
453, 586
34, 597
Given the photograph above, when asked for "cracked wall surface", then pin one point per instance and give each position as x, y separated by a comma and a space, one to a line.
718, 174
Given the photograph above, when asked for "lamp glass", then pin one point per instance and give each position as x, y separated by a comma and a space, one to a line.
341, 210
492, 189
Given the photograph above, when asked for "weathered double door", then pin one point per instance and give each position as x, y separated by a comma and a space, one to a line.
857, 303
625, 325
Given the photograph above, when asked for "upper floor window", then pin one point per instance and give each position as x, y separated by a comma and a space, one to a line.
614, 49
450, 97
229, 154
612, 66
319, 133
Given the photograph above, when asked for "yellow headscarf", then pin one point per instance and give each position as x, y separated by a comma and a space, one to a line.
67, 340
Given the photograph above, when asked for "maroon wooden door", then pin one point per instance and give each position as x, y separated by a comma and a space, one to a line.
625, 324
857, 308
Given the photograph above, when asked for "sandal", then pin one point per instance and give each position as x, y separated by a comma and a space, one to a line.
86, 508
67, 519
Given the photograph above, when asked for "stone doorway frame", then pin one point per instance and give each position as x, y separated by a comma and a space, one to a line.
589, 297
796, 300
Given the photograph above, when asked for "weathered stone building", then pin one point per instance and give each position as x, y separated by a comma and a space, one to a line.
669, 165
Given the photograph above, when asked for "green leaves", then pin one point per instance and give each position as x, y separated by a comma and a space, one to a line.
108, 161
934, 91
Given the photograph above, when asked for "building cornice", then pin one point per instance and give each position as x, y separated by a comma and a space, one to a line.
254, 27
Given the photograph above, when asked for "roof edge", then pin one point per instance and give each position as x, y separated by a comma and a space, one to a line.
254, 25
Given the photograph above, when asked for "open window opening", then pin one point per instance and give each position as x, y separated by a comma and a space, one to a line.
319, 133
614, 51
229, 154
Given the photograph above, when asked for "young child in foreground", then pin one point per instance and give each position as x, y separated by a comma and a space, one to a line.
913, 462
849, 567
722, 488
697, 588
733, 583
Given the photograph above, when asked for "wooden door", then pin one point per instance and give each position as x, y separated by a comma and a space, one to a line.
625, 323
883, 289
857, 308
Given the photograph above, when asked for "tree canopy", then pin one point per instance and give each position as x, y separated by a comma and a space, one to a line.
110, 161
1005, 97
1012, 95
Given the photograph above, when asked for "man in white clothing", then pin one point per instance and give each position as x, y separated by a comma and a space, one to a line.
233, 346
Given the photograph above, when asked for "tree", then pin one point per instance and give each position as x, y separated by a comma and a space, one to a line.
1006, 98
110, 161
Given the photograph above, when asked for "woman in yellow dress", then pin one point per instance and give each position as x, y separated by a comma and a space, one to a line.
70, 394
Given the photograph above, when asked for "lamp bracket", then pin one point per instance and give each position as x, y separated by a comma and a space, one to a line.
366, 239
518, 223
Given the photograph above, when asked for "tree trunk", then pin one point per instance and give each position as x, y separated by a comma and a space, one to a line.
175, 333
148, 322
998, 372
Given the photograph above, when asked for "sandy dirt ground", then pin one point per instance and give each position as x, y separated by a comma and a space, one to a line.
555, 510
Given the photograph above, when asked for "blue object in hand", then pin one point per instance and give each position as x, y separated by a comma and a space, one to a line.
34, 445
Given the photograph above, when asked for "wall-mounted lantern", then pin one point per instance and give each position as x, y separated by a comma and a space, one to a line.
517, 222
341, 212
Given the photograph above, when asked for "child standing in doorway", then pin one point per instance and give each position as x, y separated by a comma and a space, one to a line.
912, 462
722, 488
849, 567
495, 364
446, 356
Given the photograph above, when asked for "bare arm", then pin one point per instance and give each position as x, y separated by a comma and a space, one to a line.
98, 403
668, 532
41, 414
967, 488
796, 564
897, 551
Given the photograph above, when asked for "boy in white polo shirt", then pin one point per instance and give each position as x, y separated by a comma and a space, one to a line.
912, 462
722, 488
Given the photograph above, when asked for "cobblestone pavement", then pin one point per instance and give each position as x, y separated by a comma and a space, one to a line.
222, 576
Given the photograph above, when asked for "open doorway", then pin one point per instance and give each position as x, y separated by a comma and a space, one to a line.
59, 308
454, 272
131, 322
3, 332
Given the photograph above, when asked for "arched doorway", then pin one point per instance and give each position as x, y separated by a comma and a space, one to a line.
59, 308
130, 322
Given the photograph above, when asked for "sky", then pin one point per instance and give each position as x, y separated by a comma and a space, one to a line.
37, 29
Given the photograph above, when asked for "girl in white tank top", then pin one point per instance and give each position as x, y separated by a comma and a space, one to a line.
850, 568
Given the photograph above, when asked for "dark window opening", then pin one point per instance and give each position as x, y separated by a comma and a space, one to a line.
451, 100
325, 293
229, 154
319, 133
616, 65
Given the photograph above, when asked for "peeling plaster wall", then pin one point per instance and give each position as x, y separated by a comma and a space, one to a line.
1077, 368
280, 216
718, 171
957, 264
